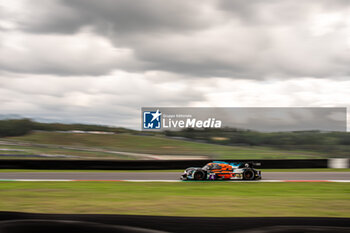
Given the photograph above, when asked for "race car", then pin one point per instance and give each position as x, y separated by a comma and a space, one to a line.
218, 170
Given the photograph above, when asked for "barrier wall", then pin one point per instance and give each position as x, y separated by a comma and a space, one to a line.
148, 164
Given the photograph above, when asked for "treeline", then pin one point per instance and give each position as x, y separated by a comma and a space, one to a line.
15, 127
231, 136
226, 136
18, 127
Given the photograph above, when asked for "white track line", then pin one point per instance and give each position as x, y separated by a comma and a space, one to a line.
232, 181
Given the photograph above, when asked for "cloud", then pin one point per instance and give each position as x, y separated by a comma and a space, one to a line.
77, 54
255, 40
116, 99
304, 92
100, 61
122, 16
111, 99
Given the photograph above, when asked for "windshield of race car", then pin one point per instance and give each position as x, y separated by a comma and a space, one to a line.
212, 166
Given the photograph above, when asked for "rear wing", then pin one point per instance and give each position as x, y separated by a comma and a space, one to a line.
250, 164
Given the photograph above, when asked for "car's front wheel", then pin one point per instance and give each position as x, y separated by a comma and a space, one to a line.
248, 174
199, 175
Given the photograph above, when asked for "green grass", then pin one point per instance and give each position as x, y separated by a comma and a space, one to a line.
178, 199
181, 170
38, 150
160, 145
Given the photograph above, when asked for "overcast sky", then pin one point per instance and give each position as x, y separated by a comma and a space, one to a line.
91, 61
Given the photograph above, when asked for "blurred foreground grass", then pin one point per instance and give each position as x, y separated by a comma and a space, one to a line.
178, 199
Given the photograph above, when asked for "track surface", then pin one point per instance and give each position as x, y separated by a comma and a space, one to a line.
164, 175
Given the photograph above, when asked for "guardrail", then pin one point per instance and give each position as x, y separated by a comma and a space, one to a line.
159, 164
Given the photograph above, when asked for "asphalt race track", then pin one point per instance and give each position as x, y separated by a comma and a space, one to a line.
163, 175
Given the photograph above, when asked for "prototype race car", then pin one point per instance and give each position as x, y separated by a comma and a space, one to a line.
218, 170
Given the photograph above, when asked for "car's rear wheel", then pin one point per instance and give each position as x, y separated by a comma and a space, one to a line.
248, 174
198, 175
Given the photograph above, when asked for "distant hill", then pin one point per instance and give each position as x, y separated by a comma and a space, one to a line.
18, 127
330, 143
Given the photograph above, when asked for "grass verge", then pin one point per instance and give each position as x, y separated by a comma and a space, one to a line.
178, 199
160, 145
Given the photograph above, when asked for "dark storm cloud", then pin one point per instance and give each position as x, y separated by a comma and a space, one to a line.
122, 16
117, 56
221, 38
